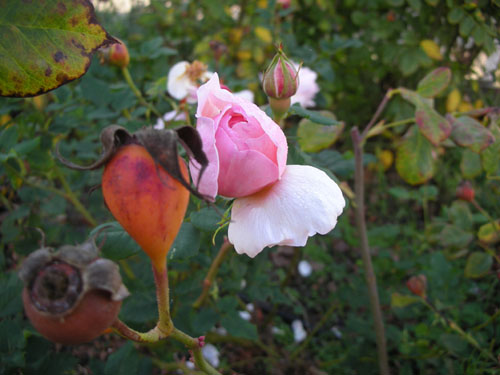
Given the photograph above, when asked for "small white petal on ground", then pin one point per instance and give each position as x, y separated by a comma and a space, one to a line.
305, 268
211, 354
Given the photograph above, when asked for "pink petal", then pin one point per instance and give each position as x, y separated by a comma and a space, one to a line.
208, 183
304, 202
242, 172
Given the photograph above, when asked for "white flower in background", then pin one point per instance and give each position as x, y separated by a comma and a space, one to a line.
305, 268
169, 116
211, 354
185, 78
299, 333
245, 95
336, 331
308, 88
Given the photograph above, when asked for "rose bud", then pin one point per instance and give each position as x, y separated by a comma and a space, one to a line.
115, 55
71, 296
280, 83
465, 191
280, 80
417, 285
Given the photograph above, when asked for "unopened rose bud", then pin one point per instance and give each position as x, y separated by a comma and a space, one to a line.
417, 285
465, 191
280, 80
115, 55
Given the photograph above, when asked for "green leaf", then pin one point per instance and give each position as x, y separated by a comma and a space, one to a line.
403, 300
490, 157
125, 361
117, 243
238, 327
186, 244
415, 162
434, 82
314, 137
470, 165
453, 343
206, 219
455, 15
455, 237
489, 233
314, 116
44, 47
460, 214
467, 132
478, 264
432, 125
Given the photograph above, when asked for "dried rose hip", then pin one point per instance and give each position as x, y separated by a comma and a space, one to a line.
71, 296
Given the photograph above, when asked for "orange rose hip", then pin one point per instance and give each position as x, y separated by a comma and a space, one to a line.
146, 200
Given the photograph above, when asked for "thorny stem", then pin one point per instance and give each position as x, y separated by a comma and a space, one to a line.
138, 94
375, 117
212, 272
359, 186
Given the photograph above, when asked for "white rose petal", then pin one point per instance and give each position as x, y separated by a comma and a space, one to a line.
211, 354
169, 116
299, 333
305, 201
245, 315
305, 268
178, 82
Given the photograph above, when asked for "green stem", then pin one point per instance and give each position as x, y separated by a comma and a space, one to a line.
165, 323
212, 272
309, 337
371, 281
138, 94
72, 198
455, 327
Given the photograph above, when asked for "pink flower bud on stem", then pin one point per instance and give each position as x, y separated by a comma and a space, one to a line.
280, 83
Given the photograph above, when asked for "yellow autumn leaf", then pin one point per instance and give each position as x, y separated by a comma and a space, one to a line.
263, 34
431, 49
453, 100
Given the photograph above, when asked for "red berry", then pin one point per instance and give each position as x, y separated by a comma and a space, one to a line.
417, 285
465, 191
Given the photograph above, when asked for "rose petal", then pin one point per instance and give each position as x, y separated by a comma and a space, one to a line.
212, 100
208, 183
308, 88
178, 83
246, 95
239, 166
304, 202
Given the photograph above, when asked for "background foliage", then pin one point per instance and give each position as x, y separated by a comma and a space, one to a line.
360, 49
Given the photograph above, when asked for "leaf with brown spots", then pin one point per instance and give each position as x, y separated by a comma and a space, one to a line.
45, 44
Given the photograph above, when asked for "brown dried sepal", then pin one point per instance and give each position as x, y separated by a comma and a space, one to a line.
162, 146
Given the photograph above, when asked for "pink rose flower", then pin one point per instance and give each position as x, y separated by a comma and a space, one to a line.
245, 148
276, 204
